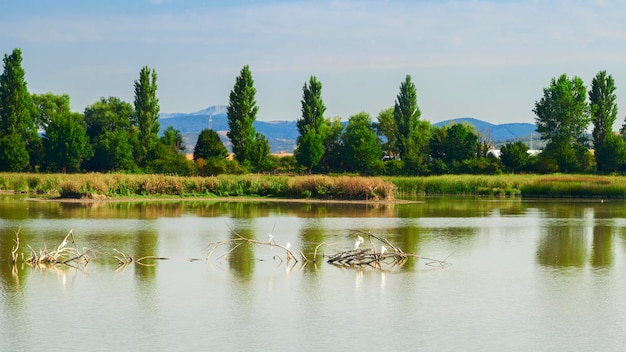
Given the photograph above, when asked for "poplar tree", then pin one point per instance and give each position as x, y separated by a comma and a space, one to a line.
603, 107
146, 117
310, 142
18, 134
241, 112
412, 134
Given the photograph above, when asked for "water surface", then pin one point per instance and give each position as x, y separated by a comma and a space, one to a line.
524, 276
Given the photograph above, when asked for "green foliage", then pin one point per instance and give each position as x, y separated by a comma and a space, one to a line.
14, 156
514, 156
108, 123
146, 117
611, 154
361, 145
65, 143
386, 127
259, 153
451, 146
242, 110
562, 116
603, 107
310, 142
173, 139
333, 145
17, 127
406, 115
209, 146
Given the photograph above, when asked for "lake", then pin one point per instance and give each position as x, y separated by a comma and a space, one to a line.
517, 275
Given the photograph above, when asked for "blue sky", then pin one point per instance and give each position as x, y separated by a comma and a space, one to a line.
484, 59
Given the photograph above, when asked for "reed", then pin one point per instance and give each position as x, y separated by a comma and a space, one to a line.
485, 185
94, 186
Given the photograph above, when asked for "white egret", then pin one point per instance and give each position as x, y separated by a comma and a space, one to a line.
287, 246
383, 250
358, 242
270, 238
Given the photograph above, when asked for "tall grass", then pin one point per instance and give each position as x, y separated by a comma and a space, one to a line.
95, 185
315, 186
492, 185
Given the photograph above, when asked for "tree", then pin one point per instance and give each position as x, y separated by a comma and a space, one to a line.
146, 117
108, 126
405, 114
603, 107
260, 152
209, 146
168, 155
210, 153
241, 111
611, 154
173, 139
412, 135
362, 150
333, 145
65, 141
562, 115
514, 156
310, 143
386, 127
18, 132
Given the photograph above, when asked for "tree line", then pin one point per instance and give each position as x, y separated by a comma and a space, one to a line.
39, 133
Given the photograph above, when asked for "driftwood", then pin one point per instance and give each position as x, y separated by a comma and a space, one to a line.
62, 254
238, 240
387, 254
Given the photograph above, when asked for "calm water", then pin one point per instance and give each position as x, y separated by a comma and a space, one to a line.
525, 276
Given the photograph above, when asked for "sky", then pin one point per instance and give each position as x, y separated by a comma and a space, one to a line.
485, 59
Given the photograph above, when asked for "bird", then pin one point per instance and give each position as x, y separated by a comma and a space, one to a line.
287, 246
358, 242
270, 238
383, 250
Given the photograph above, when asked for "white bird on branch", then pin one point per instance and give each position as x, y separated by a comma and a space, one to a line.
383, 250
287, 246
270, 238
358, 242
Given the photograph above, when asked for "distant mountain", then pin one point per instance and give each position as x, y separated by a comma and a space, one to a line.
282, 135
497, 133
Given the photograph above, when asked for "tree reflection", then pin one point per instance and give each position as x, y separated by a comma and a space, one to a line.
602, 247
562, 246
240, 256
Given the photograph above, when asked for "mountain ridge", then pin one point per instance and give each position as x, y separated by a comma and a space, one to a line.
282, 134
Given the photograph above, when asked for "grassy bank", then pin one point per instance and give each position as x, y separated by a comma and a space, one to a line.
121, 185
552, 186
314, 187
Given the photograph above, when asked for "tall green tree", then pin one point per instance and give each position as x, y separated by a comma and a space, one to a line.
65, 141
108, 125
18, 134
310, 142
362, 150
603, 107
146, 117
412, 134
406, 114
562, 115
241, 112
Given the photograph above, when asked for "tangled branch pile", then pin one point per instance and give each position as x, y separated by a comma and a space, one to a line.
62, 254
